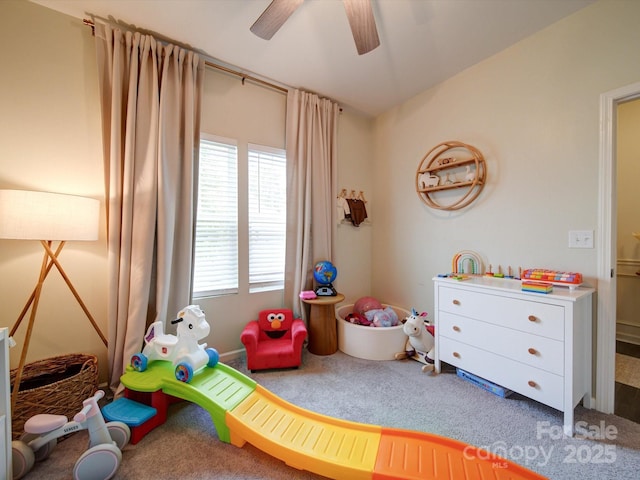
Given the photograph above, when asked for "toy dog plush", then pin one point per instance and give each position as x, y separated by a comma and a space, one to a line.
420, 342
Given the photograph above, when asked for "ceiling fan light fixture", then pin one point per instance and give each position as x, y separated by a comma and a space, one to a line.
273, 17
363, 25
359, 13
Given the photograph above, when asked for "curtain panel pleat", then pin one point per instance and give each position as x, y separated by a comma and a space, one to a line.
150, 98
311, 132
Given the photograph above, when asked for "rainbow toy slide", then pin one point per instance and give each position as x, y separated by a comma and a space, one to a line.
243, 411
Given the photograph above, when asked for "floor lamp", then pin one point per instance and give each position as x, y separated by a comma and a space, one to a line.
48, 218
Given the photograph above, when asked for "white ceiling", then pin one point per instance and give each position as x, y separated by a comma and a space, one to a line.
423, 42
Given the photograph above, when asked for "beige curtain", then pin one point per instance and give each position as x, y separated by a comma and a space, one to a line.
150, 97
311, 132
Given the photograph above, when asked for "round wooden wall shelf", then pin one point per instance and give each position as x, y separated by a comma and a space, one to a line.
451, 166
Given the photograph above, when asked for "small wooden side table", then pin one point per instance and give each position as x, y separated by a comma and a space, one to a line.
323, 337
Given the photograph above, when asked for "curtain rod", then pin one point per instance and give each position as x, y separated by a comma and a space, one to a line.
243, 76
246, 77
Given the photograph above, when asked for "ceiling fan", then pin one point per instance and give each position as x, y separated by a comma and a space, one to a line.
359, 13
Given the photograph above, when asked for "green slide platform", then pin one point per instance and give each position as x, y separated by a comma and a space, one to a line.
216, 389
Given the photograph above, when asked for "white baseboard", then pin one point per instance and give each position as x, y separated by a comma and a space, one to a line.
628, 333
626, 338
232, 355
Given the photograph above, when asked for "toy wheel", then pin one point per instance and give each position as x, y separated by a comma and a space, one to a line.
184, 372
98, 463
139, 362
120, 433
44, 451
214, 357
23, 459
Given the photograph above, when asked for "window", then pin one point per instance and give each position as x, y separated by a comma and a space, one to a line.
215, 270
221, 227
267, 217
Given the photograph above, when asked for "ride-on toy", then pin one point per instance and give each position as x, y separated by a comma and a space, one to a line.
100, 461
183, 350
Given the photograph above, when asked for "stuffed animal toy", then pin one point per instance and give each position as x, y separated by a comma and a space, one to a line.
420, 342
386, 317
358, 319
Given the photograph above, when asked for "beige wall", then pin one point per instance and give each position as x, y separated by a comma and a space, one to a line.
353, 252
533, 110
628, 222
50, 140
248, 114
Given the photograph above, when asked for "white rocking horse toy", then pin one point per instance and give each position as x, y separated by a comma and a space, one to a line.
420, 342
182, 349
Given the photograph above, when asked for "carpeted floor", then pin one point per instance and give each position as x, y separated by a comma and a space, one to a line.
388, 393
628, 370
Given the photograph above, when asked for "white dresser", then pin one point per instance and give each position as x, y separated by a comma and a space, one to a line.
5, 408
538, 345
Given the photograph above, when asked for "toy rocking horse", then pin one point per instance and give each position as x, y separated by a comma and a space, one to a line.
420, 342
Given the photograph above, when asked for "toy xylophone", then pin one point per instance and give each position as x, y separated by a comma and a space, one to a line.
555, 276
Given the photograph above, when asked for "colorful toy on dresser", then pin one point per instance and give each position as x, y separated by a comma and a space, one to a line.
537, 287
552, 276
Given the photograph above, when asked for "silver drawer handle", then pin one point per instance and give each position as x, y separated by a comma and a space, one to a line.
456, 302
533, 318
456, 328
532, 384
532, 351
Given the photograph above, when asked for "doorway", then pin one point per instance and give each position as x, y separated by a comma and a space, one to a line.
607, 247
627, 378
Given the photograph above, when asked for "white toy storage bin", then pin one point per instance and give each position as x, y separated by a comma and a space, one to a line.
370, 343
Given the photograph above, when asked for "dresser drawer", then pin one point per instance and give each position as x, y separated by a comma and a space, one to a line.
532, 382
524, 315
534, 350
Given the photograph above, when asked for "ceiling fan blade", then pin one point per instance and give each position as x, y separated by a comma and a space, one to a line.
274, 17
363, 25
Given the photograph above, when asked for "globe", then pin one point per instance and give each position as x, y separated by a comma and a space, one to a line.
324, 272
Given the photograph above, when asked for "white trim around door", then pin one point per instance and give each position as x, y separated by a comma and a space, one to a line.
606, 303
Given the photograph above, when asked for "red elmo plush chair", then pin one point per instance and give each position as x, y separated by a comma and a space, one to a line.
274, 340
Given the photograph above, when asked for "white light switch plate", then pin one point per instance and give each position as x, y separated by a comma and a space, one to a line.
581, 239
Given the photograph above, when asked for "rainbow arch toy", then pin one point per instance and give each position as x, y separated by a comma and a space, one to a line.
243, 411
467, 261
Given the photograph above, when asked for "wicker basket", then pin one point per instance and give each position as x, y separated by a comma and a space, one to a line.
56, 385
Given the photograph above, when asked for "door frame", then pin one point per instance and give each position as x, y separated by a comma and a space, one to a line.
607, 251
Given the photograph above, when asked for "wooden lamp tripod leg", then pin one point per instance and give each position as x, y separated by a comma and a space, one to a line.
34, 300
54, 259
49, 259
33, 294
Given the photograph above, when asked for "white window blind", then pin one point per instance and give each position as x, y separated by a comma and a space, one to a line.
267, 217
216, 245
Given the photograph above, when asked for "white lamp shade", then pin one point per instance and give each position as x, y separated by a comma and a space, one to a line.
28, 215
